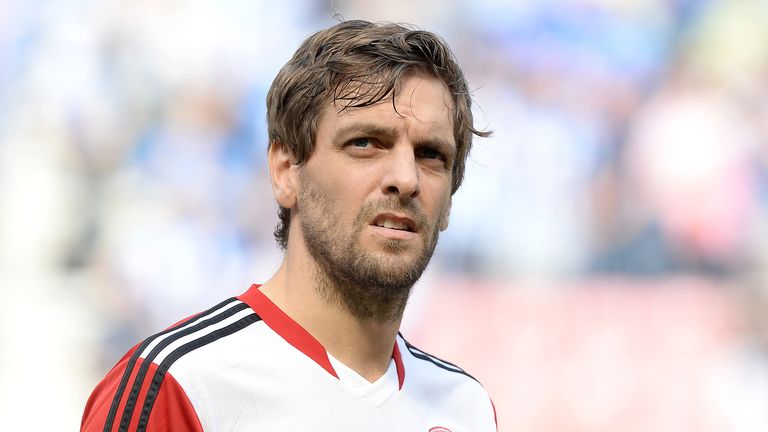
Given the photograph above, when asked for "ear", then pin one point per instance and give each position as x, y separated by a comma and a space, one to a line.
446, 216
283, 174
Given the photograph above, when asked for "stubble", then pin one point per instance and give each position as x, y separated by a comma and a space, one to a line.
370, 285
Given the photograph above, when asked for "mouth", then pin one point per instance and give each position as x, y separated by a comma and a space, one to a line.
395, 222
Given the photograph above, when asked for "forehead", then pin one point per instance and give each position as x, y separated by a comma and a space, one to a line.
420, 101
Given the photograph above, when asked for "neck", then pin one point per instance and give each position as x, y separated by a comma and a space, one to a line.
301, 290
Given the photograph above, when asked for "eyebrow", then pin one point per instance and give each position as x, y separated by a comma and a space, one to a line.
374, 130
366, 129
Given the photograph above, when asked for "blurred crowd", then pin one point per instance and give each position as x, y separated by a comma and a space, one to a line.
629, 139
630, 135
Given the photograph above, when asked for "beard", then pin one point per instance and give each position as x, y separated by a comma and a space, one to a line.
369, 284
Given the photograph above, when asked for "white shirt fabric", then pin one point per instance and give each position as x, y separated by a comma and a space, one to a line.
246, 365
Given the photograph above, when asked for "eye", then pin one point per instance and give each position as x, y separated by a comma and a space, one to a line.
360, 142
430, 153
362, 147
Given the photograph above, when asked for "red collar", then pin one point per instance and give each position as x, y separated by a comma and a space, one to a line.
297, 336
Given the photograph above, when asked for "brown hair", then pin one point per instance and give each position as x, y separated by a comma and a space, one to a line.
359, 63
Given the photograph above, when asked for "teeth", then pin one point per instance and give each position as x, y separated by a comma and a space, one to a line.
391, 224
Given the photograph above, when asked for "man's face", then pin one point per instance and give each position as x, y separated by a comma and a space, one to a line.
375, 194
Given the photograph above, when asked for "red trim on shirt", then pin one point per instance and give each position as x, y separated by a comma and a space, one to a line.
296, 335
495, 419
286, 327
399, 366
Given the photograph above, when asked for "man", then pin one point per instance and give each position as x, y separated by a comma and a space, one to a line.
370, 126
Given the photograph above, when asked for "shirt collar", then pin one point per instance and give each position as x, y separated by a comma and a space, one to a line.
296, 335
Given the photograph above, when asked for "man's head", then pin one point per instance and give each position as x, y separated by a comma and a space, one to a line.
358, 64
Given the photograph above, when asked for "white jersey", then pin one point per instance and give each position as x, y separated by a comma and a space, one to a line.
245, 365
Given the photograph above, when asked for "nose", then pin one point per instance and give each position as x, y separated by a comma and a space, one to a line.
402, 174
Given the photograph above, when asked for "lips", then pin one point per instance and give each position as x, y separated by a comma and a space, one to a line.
395, 222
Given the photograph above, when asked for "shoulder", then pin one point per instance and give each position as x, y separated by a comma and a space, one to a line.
446, 385
144, 388
120, 400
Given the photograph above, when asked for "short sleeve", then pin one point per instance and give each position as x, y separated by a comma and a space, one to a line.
127, 400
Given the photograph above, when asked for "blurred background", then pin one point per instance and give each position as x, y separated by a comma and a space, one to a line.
606, 264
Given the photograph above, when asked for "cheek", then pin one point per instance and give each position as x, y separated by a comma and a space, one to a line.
338, 192
441, 199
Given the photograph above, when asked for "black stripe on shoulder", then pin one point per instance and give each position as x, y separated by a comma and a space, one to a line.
419, 354
162, 369
135, 356
142, 373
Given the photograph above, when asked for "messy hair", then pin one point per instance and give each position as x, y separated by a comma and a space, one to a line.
359, 64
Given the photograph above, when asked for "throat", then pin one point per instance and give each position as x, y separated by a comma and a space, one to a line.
366, 349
